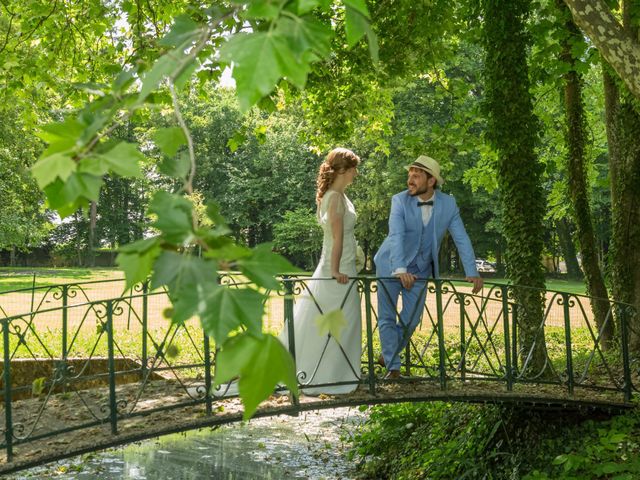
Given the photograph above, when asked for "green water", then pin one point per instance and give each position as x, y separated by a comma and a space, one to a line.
309, 446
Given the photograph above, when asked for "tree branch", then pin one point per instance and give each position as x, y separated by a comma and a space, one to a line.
616, 46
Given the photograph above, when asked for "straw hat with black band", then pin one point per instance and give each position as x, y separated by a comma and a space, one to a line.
429, 165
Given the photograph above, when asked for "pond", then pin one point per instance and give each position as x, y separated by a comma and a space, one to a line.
310, 446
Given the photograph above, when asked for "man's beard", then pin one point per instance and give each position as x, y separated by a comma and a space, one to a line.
419, 192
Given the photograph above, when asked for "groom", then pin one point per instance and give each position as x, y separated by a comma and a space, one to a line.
419, 217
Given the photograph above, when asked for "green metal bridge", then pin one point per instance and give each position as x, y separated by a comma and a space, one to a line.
91, 365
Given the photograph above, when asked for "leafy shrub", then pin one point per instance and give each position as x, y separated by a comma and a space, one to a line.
444, 441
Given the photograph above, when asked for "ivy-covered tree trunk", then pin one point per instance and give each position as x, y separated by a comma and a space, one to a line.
512, 130
568, 249
577, 183
623, 125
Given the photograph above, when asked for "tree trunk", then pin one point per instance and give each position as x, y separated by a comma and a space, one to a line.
12, 256
92, 235
444, 256
568, 249
616, 43
578, 188
623, 125
513, 131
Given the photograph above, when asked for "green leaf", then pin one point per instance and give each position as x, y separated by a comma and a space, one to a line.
190, 281
177, 167
174, 216
170, 64
271, 364
267, 9
305, 6
183, 30
560, 459
94, 165
228, 252
359, 6
140, 246
356, 26
262, 363
82, 186
307, 34
227, 308
47, 169
372, 40
76, 193
169, 140
37, 386
332, 323
235, 356
264, 265
260, 60
61, 136
184, 78
123, 160
235, 141
124, 79
136, 259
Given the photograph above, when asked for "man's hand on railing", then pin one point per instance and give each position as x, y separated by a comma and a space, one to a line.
478, 282
407, 279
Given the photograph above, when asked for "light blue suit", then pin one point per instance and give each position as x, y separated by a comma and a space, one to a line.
414, 246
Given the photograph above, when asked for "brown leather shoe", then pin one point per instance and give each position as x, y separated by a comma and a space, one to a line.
392, 375
380, 360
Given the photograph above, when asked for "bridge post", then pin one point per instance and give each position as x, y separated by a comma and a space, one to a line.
625, 353
463, 346
8, 432
207, 373
113, 408
368, 308
65, 319
441, 349
288, 320
507, 337
145, 326
567, 342
514, 338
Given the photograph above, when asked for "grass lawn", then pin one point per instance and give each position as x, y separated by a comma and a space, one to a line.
571, 286
23, 277
577, 287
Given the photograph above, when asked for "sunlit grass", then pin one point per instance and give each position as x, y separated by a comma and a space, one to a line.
28, 277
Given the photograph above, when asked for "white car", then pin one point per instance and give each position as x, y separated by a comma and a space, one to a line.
485, 266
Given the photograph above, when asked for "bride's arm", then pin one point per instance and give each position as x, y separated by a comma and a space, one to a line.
336, 216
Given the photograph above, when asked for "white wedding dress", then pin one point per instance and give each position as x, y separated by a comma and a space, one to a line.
322, 359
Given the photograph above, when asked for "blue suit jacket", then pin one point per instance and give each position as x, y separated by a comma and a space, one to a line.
405, 234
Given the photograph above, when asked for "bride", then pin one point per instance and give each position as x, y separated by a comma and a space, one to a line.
325, 359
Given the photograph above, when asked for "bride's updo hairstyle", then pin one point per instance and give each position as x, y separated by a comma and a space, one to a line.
338, 161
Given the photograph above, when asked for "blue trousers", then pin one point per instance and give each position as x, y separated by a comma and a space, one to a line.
396, 329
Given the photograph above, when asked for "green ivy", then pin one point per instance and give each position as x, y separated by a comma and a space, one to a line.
512, 130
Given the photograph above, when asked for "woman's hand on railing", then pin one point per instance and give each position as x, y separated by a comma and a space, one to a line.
340, 277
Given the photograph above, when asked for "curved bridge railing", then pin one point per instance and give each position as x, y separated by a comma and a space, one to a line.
90, 366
